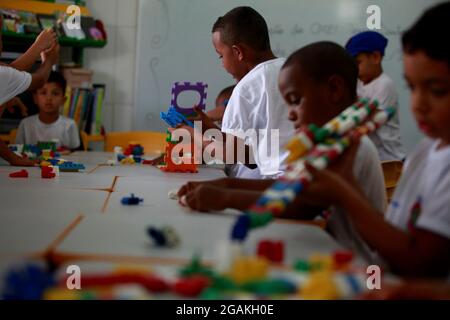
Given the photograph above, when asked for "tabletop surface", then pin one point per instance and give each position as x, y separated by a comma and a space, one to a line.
35, 212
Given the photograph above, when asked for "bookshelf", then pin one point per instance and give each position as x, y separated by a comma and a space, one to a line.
19, 42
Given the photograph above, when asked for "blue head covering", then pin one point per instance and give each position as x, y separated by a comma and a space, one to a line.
367, 41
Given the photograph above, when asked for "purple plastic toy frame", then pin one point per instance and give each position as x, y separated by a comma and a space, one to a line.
179, 87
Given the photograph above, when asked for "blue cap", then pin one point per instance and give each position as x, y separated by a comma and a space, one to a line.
368, 41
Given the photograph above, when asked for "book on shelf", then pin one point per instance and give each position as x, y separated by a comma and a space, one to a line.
85, 107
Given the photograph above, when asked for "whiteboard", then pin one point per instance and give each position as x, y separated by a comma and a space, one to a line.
174, 44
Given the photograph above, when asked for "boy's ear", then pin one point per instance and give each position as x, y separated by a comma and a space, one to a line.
238, 51
336, 86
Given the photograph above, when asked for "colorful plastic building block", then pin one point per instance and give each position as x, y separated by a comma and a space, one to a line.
342, 257
187, 162
69, 166
271, 250
134, 149
19, 174
179, 87
164, 237
246, 269
195, 267
319, 147
191, 286
47, 172
173, 118
320, 286
46, 145
132, 200
150, 282
270, 287
127, 160
27, 283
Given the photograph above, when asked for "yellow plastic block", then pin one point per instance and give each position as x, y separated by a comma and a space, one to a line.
321, 262
246, 269
320, 286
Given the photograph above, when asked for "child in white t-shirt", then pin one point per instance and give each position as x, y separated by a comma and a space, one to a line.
241, 39
48, 124
414, 236
368, 49
14, 79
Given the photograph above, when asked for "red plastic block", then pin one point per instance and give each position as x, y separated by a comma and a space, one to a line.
271, 250
19, 174
191, 286
148, 281
47, 173
342, 257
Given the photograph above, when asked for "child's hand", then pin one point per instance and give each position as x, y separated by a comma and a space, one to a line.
46, 39
16, 102
51, 54
21, 162
207, 123
191, 185
206, 197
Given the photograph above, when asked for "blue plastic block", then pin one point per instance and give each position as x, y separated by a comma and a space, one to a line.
157, 236
240, 228
132, 200
27, 283
71, 166
173, 118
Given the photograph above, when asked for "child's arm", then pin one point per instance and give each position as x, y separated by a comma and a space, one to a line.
216, 114
228, 183
420, 253
12, 158
40, 76
227, 155
46, 39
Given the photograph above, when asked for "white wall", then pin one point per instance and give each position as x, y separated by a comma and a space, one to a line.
114, 64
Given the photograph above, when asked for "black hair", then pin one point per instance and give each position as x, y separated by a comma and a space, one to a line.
58, 78
428, 34
243, 25
226, 91
321, 60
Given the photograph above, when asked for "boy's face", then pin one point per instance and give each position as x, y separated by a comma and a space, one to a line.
49, 98
429, 82
368, 66
307, 100
229, 56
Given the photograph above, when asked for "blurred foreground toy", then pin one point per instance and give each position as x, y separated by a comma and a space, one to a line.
131, 200
19, 174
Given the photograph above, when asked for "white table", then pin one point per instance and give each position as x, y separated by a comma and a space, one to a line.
38, 210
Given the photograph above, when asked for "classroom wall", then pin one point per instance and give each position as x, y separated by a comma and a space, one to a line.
174, 44
114, 65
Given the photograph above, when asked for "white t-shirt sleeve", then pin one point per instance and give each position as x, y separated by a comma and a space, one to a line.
435, 215
20, 136
369, 174
12, 83
237, 118
386, 94
73, 136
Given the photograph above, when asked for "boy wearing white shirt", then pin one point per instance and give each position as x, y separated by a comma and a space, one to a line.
241, 39
48, 124
414, 235
368, 50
